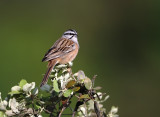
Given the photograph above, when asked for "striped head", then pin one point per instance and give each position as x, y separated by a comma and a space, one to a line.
71, 34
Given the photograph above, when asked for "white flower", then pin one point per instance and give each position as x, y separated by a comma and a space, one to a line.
62, 83
28, 87
91, 105
100, 95
39, 115
16, 88
83, 110
3, 104
64, 70
70, 64
54, 70
21, 105
61, 66
114, 110
67, 75
14, 105
56, 75
32, 116
60, 77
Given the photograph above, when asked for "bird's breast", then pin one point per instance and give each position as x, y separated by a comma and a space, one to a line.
69, 56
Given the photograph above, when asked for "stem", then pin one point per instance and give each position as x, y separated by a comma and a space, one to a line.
60, 113
73, 115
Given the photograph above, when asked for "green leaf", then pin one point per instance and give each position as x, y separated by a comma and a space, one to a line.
70, 83
2, 114
14, 92
22, 83
46, 88
67, 93
55, 86
85, 96
37, 106
88, 83
76, 89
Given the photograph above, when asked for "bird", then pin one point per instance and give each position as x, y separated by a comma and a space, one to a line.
63, 51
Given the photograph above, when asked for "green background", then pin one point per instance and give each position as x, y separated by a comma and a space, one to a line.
119, 41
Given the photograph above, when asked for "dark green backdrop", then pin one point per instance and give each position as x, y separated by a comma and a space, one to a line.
119, 41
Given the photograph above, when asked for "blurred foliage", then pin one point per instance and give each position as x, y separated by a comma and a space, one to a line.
54, 98
119, 41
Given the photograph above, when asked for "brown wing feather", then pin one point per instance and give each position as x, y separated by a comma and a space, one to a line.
60, 48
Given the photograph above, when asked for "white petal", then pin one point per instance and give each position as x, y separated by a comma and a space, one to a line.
114, 110
16, 88
14, 105
67, 75
5, 103
61, 66
70, 64
28, 87
100, 95
83, 109
33, 85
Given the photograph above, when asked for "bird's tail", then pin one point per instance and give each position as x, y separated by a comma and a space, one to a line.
51, 64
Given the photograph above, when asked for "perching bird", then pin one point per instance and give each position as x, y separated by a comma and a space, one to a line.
63, 51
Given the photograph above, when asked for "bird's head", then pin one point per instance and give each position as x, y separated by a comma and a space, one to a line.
70, 34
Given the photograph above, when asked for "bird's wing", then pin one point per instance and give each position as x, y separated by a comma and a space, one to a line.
60, 48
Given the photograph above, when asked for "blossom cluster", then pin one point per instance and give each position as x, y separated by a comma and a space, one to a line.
25, 99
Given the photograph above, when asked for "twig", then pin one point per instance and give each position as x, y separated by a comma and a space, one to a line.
97, 110
73, 114
93, 79
47, 111
60, 113
66, 114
